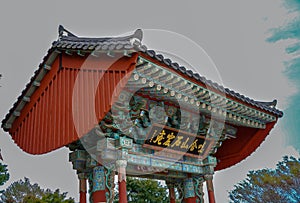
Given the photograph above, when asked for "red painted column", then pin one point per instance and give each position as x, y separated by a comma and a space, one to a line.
82, 188
99, 188
210, 188
190, 200
172, 195
121, 167
82, 197
99, 197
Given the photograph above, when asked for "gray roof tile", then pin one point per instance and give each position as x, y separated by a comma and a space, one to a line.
175, 66
182, 69
189, 73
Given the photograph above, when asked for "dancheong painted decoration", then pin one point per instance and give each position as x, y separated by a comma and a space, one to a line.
125, 110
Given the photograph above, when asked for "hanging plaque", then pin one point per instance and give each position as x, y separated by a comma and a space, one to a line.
177, 141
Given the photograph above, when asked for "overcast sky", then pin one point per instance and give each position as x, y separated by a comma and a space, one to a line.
232, 33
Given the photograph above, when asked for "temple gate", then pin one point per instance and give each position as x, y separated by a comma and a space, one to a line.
124, 110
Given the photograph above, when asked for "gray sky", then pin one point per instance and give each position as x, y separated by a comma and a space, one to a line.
233, 34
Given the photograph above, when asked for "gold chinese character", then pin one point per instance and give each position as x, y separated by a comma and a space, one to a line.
200, 150
184, 144
193, 145
178, 141
170, 137
201, 147
153, 135
159, 137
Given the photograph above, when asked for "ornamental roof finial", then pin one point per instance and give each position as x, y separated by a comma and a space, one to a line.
63, 32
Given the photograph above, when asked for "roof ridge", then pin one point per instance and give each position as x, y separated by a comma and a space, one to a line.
66, 35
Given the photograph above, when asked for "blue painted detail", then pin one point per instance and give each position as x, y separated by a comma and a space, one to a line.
189, 190
176, 166
192, 168
160, 163
124, 142
210, 160
170, 165
98, 178
78, 165
138, 160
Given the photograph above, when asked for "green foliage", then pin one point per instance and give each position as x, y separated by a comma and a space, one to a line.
4, 175
32, 199
281, 184
56, 197
22, 191
145, 191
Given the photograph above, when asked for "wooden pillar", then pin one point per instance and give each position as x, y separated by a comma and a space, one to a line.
99, 189
189, 191
121, 167
172, 195
210, 188
124, 144
82, 187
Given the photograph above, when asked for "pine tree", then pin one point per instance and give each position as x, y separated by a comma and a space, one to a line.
22, 191
281, 184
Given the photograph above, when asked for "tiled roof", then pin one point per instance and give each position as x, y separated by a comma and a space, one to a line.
267, 106
117, 43
69, 41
